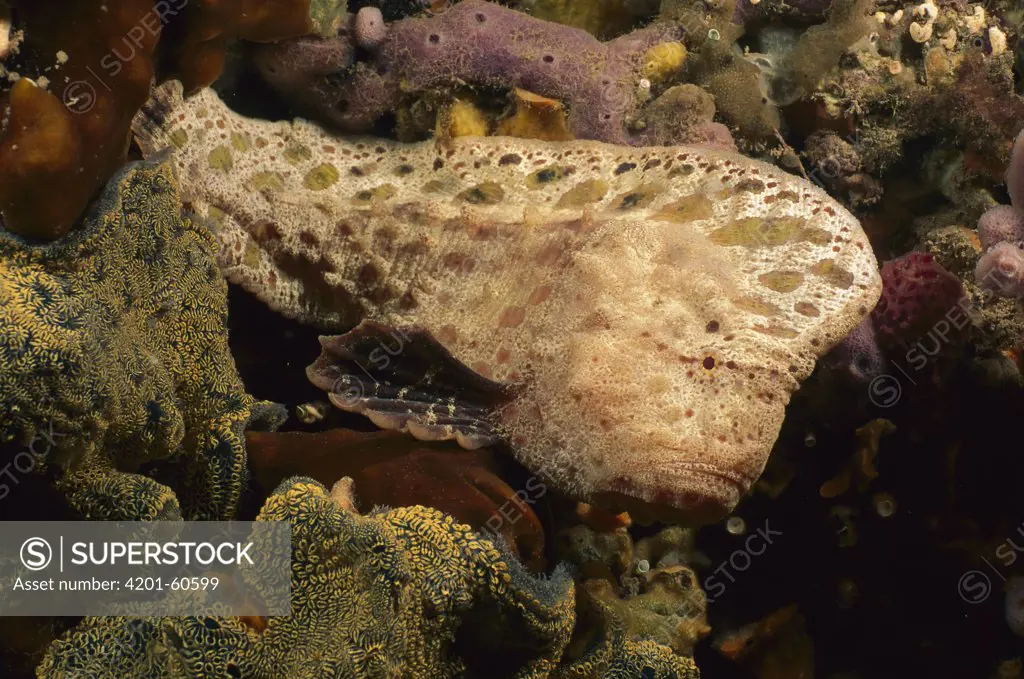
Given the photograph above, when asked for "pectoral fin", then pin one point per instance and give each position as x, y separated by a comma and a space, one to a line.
404, 379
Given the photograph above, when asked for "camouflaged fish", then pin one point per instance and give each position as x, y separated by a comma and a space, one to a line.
630, 322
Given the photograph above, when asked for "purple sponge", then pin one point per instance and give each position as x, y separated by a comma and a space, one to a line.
478, 43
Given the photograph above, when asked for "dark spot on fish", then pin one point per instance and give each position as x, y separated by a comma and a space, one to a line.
368, 275
379, 295
308, 239
630, 200
625, 167
511, 317
510, 159
709, 363
749, 185
712, 326
407, 302
546, 175
402, 170
356, 172
458, 261
265, 230
438, 164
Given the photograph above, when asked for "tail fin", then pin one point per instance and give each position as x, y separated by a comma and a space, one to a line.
148, 125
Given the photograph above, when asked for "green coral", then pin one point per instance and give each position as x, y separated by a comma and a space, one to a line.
328, 16
398, 593
115, 337
607, 635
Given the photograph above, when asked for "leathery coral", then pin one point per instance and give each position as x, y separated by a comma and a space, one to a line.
86, 69
404, 592
115, 337
678, 295
473, 42
392, 469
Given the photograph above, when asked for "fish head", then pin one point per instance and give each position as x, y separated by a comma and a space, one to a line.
665, 402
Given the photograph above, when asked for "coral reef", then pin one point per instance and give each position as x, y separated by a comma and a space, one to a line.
1001, 232
605, 629
115, 337
404, 592
919, 72
392, 469
68, 123
698, 383
654, 595
481, 44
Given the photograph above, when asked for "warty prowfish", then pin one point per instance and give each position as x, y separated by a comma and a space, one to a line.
630, 322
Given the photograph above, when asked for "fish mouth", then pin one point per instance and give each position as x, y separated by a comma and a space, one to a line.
689, 494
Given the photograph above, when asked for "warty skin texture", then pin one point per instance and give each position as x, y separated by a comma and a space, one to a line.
649, 310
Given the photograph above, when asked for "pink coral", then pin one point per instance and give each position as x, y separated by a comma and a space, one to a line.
1001, 232
1001, 223
1001, 270
916, 293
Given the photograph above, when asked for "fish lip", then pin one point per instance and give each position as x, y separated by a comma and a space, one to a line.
683, 500
742, 481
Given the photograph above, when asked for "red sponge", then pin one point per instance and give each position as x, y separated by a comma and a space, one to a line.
916, 294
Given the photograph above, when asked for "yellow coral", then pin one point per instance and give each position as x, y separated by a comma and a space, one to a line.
536, 117
462, 119
115, 337
663, 61
405, 593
